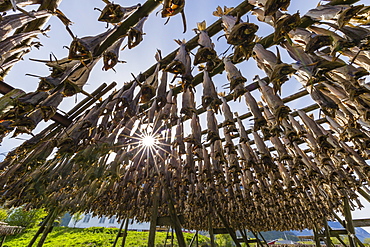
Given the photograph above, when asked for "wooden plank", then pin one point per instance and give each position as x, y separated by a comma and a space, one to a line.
220, 231
361, 222
336, 233
166, 220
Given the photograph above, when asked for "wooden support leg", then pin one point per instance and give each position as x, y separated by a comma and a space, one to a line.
118, 234
41, 228
211, 235
344, 225
197, 239
244, 236
327, 233
364, 194
259, 243
193, 239
153, 219
172, 237
228, 228
349, 224
165, 241
176, 223
316, 236
125, 233
264, 240
2, 240
48, 228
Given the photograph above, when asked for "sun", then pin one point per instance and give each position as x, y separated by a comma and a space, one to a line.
148, 141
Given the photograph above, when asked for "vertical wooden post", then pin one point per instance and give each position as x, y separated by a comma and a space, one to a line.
259, 243
245, 239
175, 221
344, 225
41, 228
197, 239
327, 233
264, 240
210, 227
172, 237
125, 232
48, 228
193, 239
364, 194
153, 219
228, 228
349, 224
2, 240
165, 241
118, 234
316, 236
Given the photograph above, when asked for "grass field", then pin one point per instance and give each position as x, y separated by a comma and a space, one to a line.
94, 236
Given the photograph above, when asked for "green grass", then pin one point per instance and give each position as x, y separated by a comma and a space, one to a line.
94, 236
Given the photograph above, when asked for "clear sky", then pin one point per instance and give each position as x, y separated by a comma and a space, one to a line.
158, 36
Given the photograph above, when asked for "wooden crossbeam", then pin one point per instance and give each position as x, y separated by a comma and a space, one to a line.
166, 220
361, 222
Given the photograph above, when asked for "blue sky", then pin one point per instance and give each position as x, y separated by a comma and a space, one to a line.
158, 36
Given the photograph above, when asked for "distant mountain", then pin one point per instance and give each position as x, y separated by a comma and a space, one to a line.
360, 232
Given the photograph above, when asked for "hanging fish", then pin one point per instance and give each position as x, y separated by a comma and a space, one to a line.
110, 56
259, 120
209, 97
114, 13
85, 48
173, 7
6, 5
273, 101
229, 120
181, 64
9, 43
346, 15
212, 128
272, 6
228, 21
285, 24
78, 78
235, 78
206, 52
243, 136
161, 91
10, 23
241, 33
135, 34
188, 103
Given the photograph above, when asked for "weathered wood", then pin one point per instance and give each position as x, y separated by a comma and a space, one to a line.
153, 218
118, 234
211, 232
361, 222
327, 233
41, 228
125, 233
229, 229
220, 231
49, 227
316, 237
166, 220
364, 194
349, 225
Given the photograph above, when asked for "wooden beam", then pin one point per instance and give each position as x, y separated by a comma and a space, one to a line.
124, 234
229, 229
154, 218
349, 224
166, 220
211, 232
361, 222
